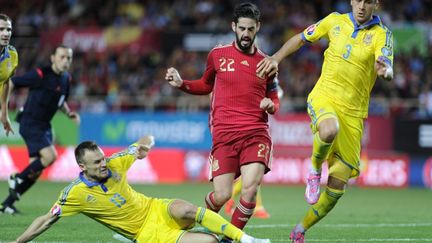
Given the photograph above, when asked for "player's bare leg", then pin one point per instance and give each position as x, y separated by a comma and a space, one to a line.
252, 175
222, 185
186, 214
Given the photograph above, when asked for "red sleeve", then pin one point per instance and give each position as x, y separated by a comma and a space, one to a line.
274, 97
204, 85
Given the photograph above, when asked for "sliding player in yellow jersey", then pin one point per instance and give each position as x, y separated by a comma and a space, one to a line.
102, 193
360, 49
8, 64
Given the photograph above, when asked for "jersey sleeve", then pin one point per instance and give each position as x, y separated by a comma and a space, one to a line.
384, 46
30, 79
68, 203
204, 85
123, 160
320, 29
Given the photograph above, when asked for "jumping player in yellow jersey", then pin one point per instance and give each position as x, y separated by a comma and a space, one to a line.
360, 49
102, 193
8, 64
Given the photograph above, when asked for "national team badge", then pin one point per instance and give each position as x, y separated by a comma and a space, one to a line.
367, 40
310, 30
214, 163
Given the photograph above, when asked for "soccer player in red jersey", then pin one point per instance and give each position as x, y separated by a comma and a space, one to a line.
238, 120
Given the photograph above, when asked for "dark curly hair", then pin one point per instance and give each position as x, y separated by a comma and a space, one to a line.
246, 10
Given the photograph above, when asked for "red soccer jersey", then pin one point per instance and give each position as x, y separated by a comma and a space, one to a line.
237, 90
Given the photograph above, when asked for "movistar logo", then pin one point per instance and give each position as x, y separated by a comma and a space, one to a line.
112, 131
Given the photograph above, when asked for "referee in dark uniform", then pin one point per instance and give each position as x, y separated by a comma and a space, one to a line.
48, 92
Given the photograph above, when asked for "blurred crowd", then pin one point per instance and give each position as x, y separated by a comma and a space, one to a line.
116, 80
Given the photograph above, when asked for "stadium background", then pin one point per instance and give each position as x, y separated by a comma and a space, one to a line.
121, 51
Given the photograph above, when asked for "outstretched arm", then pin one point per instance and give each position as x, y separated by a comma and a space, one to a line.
5, 94
38, 226
197, 87
269, 65
145, 143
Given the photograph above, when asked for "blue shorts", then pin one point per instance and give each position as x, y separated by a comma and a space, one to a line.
36, 136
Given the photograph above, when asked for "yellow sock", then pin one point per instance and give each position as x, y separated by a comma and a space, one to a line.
325, 204
217, 224
259, 203
236, 188
319, 152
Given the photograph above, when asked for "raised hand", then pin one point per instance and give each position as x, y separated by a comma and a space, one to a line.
6, 124
267, 67
173, 77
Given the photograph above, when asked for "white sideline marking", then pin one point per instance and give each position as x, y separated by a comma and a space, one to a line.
343, 225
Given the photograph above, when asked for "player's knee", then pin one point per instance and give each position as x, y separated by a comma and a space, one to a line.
221, 197
49, 158
328, 131
336, 183
189, 212
249, 192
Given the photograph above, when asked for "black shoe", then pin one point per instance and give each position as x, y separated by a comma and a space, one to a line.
225, 240
9, 210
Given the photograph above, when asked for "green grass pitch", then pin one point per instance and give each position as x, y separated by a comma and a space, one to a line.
362, 215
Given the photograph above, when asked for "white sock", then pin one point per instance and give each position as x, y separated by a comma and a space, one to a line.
246, 238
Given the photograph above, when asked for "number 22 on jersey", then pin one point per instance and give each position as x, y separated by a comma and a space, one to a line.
226, 64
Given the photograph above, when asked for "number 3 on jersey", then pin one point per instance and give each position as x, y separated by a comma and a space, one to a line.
348, 51
226, 64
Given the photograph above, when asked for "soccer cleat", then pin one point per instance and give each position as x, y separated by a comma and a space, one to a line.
249, 239
297, 234
261, 241
261, 213
312, 192
9, 210
13, 182
229, 207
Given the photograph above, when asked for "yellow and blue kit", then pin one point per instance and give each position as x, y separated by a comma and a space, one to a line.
112, 202
8, 63
348, 72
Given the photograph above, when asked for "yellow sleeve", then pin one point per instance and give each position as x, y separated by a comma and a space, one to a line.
384, 46
320, 29
123, 160
68, 203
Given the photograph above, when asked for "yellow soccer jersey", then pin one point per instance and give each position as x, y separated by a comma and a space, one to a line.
113, 203
8, 63
348, 73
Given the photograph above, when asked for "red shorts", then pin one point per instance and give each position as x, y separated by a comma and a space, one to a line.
231, 150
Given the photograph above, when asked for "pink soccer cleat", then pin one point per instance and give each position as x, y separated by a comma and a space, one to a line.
297, 234
312, 193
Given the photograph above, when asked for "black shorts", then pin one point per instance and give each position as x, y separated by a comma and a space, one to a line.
36, 136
